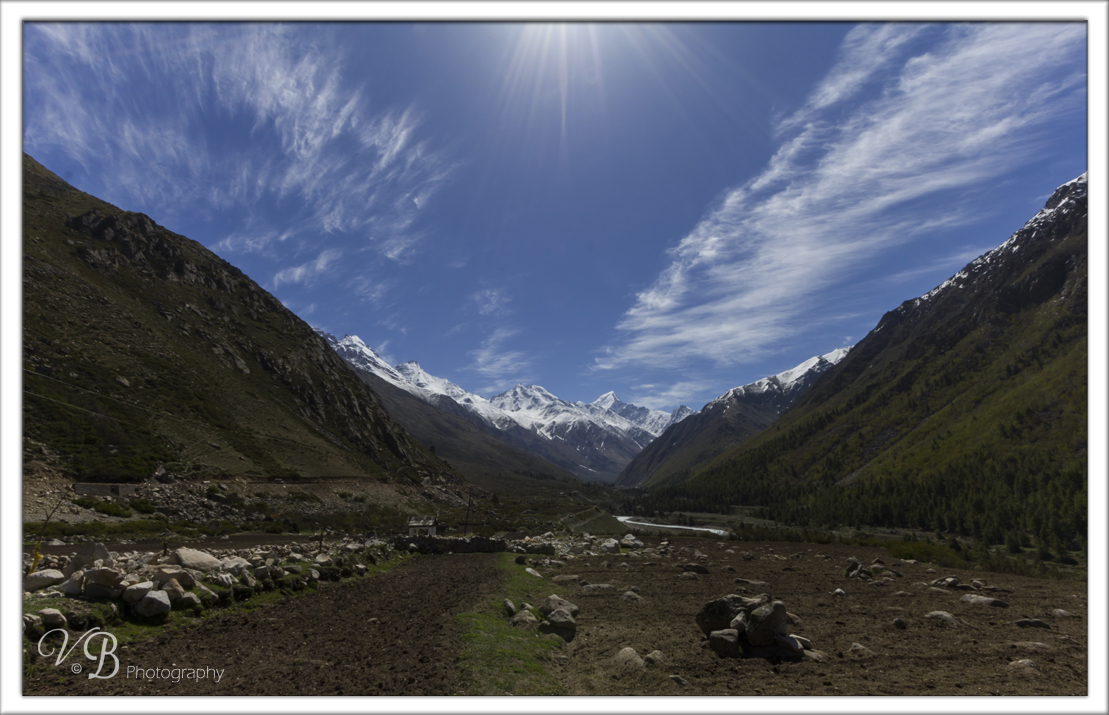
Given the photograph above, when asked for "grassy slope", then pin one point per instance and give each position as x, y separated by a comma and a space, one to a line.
692, 443
221, 378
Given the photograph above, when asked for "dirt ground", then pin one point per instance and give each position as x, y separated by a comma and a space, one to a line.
394, 634
391, 634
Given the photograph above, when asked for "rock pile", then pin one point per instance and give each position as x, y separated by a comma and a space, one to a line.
151, 585
751, 628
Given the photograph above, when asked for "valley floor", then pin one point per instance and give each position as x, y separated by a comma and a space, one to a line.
396, 634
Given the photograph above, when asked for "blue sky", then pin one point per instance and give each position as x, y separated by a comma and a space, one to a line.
666, 210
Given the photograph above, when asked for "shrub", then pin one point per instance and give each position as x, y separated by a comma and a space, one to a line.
143, 506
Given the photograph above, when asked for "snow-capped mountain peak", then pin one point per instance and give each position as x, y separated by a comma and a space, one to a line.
607, 400
787, 384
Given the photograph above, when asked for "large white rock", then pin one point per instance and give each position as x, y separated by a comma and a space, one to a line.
42, 579
610, 546
198, 560
135, 593
154, 603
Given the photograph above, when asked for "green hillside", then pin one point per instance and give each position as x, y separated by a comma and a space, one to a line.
964, 412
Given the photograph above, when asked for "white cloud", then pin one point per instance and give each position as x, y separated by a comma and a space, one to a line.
131, 102
838, 191
307, 272
502, 368
659, 397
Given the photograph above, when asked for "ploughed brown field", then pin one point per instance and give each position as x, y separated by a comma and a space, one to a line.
396, 634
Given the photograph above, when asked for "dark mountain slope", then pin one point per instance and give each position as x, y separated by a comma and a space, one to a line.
142, 346
962, 410
722, 424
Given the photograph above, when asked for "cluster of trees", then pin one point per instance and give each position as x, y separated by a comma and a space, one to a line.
1016, 500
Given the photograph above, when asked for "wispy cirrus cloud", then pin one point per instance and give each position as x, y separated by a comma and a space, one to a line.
664, 396
179, 114
890, 124
490, 301
307, 272
501, 368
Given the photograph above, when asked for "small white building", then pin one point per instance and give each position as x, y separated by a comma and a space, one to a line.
418, 525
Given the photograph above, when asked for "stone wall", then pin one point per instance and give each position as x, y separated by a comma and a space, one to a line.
446, 544
105, 490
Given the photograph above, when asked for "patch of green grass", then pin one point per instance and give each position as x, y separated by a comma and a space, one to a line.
497, 658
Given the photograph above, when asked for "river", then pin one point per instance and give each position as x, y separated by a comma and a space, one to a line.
630, 520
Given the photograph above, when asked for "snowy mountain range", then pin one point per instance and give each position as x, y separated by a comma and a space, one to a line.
594, 440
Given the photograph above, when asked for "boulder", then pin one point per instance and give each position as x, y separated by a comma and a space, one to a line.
695, 568
725, 643
154, 603
32, 624
103, 577
52, 618
533, 572
610, 546
223, 579
983, 600
86, 555
944, 618
718, 614
764, 622
1031, 623
196, 560
595, 588
177, 573
630, 542
524, 619
1025, 668
75, 585
555, 602
561, 618
173, 591
134, 594
509, 607
189, 600
629, 659
42, 579
655, 658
